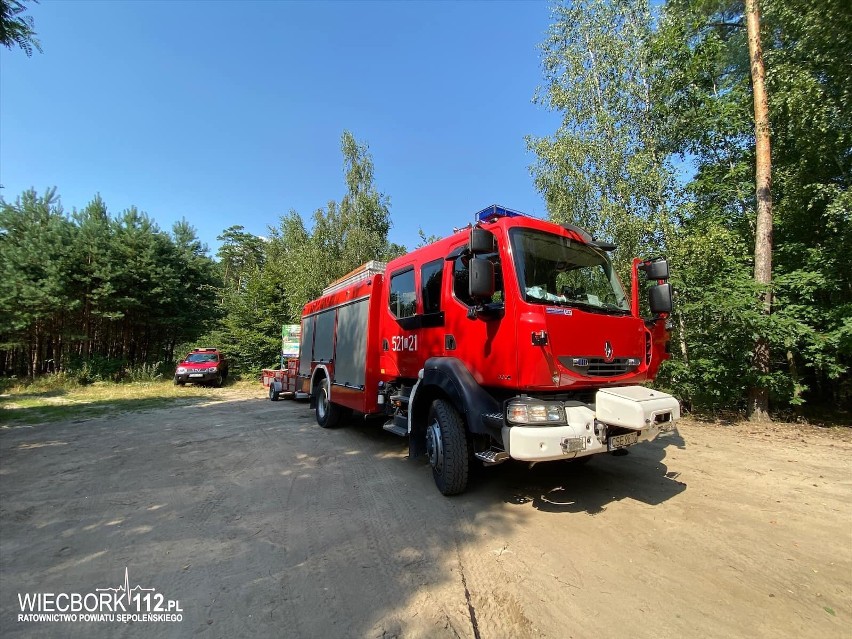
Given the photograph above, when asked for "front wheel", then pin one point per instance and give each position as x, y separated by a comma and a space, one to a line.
179, 382
446, 446
329, 414
273, 394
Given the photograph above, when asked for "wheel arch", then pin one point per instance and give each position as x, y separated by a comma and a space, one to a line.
319, 372
447, 378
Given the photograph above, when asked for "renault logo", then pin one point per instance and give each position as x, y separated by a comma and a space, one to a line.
607, 352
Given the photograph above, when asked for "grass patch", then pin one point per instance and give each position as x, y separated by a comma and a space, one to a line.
67, 400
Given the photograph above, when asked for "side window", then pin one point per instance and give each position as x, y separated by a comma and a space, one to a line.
430, 283
461, 282
403, 296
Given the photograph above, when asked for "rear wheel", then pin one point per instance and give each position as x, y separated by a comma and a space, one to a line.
329, 414
446, 446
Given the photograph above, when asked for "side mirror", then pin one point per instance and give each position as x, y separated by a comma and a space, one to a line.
481, 241
481, 283
660, 298
657, 269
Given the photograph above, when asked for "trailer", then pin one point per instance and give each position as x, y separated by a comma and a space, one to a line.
511, 339
281, 381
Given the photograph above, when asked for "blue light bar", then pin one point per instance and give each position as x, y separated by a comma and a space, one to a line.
494, 211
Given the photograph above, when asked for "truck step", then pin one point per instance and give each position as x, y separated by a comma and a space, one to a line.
396, 429
492, 457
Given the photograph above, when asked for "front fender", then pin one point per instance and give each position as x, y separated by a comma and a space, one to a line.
449, 377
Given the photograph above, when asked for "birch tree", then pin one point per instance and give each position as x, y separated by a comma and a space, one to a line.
602, 168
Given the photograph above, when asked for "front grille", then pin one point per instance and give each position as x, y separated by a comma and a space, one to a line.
598, 367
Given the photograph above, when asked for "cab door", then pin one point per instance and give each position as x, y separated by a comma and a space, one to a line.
414, 318
431, 300
401, 345
484, 342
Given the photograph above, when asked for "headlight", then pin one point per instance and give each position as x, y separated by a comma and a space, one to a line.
533, 412
212, 369
181, 370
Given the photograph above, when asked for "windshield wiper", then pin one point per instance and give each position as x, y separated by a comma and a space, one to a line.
604, 307
594, 308
616, 308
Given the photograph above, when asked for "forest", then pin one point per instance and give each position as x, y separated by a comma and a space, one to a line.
656, 152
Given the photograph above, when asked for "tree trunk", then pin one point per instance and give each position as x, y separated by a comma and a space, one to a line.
35, 352
682, 338
758, 400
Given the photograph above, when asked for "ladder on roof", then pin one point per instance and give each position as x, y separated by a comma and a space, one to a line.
363, 272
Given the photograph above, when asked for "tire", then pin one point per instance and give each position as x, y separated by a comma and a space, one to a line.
446, 447
328, 413
179, 382
218, 381
273, 394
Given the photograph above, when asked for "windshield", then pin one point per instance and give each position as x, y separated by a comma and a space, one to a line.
199, 358
560, 271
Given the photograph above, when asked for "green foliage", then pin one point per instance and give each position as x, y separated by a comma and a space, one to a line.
110, 298
77, 289
249, 332
603, 168
268, 282
49, 385
426, 240
704, 108
364, 215
344, 236
692, 67
98, 368
35, 240
17, 29
240, 253
95, 368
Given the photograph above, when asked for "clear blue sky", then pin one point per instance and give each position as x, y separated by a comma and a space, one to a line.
231, 112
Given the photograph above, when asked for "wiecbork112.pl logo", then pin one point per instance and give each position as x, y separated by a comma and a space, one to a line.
122, 603
142, 599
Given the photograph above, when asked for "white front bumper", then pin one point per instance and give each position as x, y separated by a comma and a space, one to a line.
544, 443
636, 408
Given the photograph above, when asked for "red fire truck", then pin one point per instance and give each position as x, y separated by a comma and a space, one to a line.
511, 339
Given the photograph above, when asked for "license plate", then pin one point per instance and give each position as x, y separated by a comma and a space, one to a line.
623, 441
196, 374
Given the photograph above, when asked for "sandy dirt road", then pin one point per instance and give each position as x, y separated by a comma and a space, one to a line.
262, 524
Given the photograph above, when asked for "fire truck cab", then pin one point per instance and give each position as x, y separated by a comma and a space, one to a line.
511, 339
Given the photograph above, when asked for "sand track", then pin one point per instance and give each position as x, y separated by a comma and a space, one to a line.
262, 524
